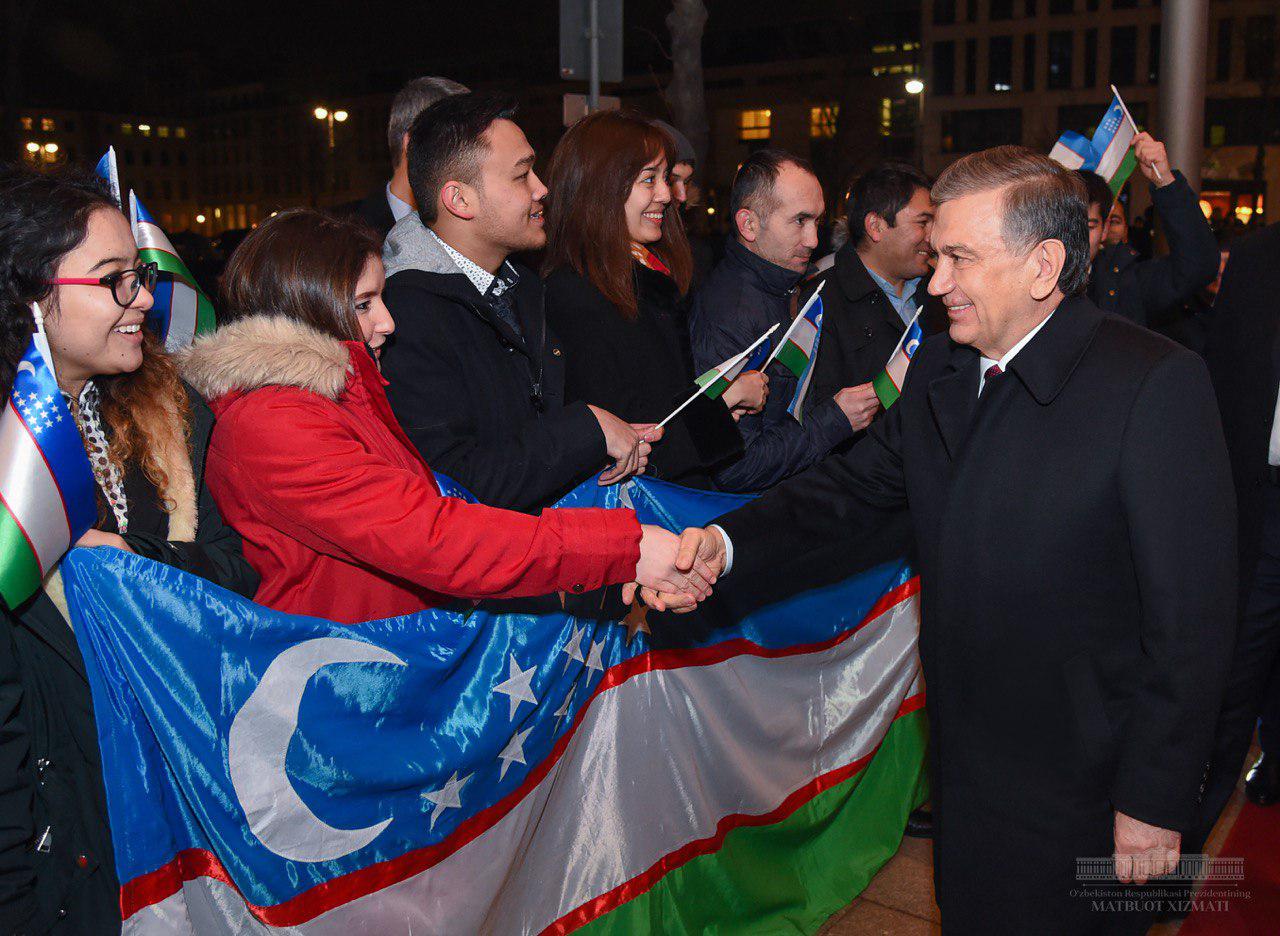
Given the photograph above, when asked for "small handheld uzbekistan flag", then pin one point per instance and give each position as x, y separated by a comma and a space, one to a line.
109, 172
716, 381
1109, 153
180, 310
888, 383
798, 349
46, 484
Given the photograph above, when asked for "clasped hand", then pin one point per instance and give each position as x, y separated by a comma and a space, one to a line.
675, 573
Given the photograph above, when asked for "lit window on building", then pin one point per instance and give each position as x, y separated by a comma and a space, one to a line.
27, 123
163, 132
886, 117
822, 121
126, 129
754, 124
180, 132
144, 129
48, 124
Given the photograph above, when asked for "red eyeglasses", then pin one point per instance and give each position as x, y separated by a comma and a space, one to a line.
124, 285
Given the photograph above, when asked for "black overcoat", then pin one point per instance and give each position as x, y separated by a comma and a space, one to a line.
1076, 535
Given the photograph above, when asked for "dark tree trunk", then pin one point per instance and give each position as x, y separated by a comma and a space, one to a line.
686, 94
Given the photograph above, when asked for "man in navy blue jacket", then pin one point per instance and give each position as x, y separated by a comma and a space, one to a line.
775, 202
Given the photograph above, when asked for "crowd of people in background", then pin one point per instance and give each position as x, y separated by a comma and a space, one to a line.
521, 322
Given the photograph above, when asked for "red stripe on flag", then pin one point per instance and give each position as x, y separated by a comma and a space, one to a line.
62, 498
157, 885
641, 883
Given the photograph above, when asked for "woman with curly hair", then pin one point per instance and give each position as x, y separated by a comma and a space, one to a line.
65, 245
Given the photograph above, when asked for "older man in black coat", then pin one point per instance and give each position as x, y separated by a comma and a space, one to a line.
1070, 492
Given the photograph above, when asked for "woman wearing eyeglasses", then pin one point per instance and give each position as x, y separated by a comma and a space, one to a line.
66, 246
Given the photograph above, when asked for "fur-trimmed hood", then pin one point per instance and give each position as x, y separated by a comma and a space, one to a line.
266, 351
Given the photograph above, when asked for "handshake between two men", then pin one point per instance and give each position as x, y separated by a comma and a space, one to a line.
675, 573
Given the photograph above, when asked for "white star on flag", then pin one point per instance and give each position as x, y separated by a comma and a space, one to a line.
573, 649
447, 797
516, 687
513, 752
563, 710
594, 660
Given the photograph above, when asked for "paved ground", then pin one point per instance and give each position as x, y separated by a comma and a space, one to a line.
899, 900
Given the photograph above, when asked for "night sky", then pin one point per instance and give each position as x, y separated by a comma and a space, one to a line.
148, 53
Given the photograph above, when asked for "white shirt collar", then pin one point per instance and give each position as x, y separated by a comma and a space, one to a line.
480, 278
399, 207
986, 362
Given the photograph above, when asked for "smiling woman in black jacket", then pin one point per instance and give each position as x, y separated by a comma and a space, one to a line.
617, 267
146, 433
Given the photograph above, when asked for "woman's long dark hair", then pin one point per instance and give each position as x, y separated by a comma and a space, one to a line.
43, 217
302, 264
591, 174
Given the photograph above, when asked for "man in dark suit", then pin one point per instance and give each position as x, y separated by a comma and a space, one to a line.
388, 203
1068, 483
477, 377
1244, 361
876, 281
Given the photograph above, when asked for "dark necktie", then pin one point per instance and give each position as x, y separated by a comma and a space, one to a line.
990, 374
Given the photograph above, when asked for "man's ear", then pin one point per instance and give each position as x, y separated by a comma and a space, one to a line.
1046, 262
874, 226
748, 225
458, 199
404, 147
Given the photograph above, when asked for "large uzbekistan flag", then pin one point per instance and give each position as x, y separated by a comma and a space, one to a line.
180, 310
500, 773
888, 383
1109, 152
47, 499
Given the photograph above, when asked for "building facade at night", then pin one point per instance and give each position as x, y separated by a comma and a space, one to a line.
1022, 71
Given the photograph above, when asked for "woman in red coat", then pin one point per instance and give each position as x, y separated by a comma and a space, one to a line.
339, 514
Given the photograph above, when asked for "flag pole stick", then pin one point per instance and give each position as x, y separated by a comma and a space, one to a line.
732, 362
906, 331
1133, 125
792, 327
41, 339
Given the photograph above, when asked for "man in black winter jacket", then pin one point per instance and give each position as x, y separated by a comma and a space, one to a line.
1152, 292
776, 202
476, 378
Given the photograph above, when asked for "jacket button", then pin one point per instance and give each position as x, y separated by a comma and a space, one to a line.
1115, 269
1111, 292
555, 351
577, 589
62, 913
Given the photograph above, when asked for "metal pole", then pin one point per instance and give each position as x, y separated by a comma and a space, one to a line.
1183, 63
593, 41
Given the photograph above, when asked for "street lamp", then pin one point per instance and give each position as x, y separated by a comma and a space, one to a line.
33, 147
915, 87
329, 117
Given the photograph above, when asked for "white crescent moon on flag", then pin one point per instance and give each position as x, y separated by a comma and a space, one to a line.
258, 743
27, 366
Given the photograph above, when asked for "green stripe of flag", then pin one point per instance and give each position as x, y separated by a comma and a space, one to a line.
205, 318
886, 390
713, 383
172, 263
793, 358
19, 570
1127, 165
791, 876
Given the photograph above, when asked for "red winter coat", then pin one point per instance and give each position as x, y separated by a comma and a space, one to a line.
340, 515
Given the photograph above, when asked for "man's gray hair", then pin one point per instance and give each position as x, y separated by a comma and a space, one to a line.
412, 100
1040, 200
